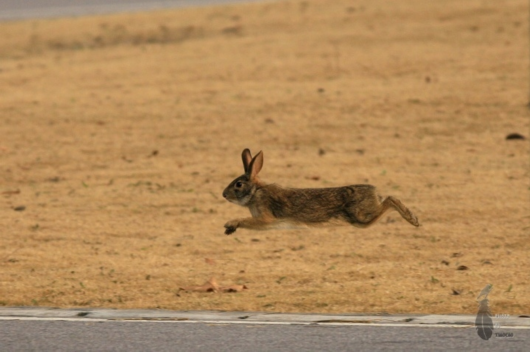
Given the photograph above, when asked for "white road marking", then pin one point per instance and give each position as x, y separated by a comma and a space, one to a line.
247, 322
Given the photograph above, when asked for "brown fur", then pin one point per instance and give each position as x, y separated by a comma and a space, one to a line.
274, 206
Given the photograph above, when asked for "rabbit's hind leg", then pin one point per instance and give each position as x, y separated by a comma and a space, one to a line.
403, 210
371, 209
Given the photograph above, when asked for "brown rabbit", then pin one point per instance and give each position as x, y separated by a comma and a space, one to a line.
272, 206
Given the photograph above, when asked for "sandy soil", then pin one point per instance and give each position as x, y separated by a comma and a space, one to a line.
120, 132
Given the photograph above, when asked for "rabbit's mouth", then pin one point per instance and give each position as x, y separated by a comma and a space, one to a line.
243, 201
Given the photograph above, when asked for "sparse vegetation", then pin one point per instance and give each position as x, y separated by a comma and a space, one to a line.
120, 132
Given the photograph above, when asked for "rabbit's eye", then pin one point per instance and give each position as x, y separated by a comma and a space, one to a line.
239, 184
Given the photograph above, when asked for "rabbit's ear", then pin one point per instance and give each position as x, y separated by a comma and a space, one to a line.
255, 165
247, 158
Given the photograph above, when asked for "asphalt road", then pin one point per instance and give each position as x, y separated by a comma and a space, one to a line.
47, 329
24, 9
182, 336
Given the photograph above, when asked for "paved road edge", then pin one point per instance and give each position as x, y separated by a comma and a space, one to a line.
103, 314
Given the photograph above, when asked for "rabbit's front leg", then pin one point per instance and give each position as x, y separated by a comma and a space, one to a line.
231, 226
246, 223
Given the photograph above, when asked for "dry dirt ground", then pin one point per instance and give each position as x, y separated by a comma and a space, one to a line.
118, 134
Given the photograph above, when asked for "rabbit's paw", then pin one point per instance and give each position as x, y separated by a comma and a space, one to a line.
231, 227
412, 218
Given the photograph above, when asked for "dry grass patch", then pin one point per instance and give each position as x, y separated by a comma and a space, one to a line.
120, 132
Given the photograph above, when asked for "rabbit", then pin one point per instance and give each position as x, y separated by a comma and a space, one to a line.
273, 206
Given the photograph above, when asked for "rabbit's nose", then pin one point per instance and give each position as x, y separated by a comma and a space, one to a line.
224, 194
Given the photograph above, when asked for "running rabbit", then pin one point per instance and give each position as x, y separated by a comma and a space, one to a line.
273, 206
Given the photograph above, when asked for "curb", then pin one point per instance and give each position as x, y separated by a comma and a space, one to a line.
216, 317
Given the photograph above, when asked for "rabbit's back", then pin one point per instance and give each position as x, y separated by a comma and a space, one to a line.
314, 205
